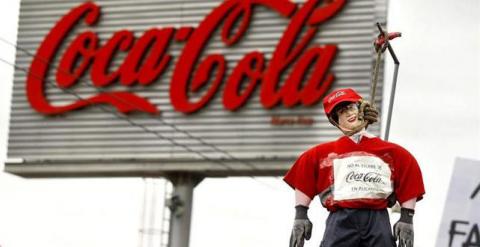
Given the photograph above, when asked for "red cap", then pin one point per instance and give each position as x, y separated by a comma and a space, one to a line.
338, 96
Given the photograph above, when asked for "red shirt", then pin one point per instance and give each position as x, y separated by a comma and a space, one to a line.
351, 175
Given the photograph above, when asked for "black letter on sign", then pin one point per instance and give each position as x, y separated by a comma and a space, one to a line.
474, 234
454, 232
475, 192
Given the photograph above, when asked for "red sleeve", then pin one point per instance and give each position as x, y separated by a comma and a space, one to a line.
303, 174
408, 178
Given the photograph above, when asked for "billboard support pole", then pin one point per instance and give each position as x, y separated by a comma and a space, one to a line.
180, 205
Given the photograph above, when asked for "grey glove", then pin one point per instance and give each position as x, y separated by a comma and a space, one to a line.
403, 229
302, 227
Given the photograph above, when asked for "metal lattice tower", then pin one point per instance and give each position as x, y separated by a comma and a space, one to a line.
155, 228
165, 220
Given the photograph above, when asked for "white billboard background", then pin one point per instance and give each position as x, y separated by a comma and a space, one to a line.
437, 117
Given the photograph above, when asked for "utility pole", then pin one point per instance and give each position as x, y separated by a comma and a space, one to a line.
180, 205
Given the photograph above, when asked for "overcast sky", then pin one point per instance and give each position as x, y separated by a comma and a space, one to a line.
438, 86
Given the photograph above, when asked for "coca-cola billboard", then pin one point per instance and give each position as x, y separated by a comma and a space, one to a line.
218, 87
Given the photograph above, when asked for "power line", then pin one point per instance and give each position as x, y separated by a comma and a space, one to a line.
145, 129
131, 122
216, 148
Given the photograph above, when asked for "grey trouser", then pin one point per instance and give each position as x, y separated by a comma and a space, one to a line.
358, 228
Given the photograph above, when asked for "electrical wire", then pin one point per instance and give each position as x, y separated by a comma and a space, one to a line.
123, 117
216, 148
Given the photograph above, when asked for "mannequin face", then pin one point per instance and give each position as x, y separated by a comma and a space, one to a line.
348, 116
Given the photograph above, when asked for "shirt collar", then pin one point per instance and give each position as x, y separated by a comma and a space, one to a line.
357, 137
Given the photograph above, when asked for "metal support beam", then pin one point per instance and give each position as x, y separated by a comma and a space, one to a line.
180, 205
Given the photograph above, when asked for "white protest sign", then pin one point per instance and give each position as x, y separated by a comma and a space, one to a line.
461, 216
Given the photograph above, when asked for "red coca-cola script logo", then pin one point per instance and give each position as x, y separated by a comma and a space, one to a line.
147, 59
370, 177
